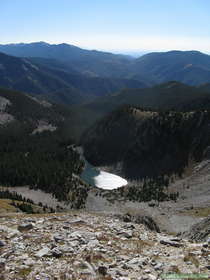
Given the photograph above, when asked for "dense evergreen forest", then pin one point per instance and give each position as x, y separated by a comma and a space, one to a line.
43, 161
39, 159
147, 143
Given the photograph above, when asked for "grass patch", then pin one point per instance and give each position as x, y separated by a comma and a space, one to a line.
198, 212
6, 207
23, 273
191, 258
136, 246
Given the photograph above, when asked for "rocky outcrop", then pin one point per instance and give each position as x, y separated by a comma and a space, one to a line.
148, 221
200, 231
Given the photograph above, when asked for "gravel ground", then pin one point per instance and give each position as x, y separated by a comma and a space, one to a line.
89, 246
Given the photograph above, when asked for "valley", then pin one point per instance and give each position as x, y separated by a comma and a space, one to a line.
104, 163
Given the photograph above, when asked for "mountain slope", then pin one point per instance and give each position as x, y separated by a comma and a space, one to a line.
140, 144
134, 249
21, 74
64, 86
168, 96
190, 67
164, 96
205, 87
36, 149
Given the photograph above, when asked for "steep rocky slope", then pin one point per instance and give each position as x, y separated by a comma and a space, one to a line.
92, 246
199, 231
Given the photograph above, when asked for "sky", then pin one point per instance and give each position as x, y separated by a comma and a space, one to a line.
112, 25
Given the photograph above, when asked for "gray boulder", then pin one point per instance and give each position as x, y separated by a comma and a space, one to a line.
2, 244
25, 227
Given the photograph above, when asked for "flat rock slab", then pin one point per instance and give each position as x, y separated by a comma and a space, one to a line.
170, 243
43, 252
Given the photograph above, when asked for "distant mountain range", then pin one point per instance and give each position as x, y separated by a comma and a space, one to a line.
96, 83
190, 67
51, 79
91, 63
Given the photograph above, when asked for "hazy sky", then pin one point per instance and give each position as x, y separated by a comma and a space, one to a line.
119, 25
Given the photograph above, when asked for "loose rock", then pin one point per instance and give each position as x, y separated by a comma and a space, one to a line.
25, 227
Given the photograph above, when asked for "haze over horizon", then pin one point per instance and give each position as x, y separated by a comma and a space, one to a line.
128, 26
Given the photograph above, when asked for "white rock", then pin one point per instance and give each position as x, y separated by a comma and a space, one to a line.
43, 252
29, 262
93, 243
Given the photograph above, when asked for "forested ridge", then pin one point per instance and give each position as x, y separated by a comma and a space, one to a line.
43, 160
148, 143
40, 161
